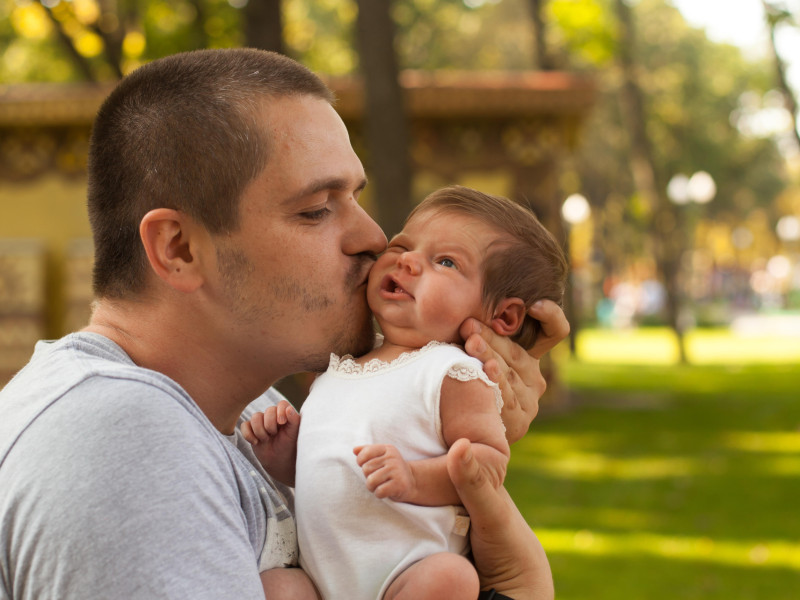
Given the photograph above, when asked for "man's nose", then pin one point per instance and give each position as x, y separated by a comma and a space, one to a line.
364, 235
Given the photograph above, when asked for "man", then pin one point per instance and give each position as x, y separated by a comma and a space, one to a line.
230, 251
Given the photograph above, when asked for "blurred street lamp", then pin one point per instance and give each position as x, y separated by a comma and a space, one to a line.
699, 188
576, 209
788, 228
682, 191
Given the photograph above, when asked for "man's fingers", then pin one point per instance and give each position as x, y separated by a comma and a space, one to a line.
554, 326
472, 486
488, 507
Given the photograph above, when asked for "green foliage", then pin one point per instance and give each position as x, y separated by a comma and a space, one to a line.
435, 34
693, 91
586, 31
321, 34
667, 482
145, 30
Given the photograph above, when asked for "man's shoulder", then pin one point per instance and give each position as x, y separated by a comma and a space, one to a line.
86, 385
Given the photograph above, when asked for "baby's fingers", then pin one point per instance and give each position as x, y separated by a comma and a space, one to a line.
373, 480
247, 433
368, 452
288, 415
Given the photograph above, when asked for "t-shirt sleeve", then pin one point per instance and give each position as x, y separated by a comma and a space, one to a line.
132, 497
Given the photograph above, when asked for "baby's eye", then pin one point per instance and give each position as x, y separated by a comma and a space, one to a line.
447, 262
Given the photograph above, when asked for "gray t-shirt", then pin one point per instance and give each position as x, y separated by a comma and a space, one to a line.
114, 484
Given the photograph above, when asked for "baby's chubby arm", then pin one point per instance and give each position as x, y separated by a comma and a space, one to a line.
273, 435
468, 410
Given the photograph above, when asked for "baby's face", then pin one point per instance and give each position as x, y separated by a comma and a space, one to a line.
429, 280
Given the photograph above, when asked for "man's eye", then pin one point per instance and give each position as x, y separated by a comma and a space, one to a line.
447, 262
315, 215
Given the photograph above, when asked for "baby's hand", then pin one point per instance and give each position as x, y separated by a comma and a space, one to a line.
388, 474
273, 435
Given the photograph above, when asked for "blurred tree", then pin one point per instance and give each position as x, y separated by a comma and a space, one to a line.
776, 16
99, 40
649, 182
693, 91
263, 25
543, 59
385, 119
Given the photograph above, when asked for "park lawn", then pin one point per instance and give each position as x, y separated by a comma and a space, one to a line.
659, 346
665, 482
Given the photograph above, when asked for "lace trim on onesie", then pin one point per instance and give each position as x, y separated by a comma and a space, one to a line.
467, 373
347, 365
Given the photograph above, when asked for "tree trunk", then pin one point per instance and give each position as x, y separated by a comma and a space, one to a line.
774, 16
386, 127
263, 25
542, 60
645, 174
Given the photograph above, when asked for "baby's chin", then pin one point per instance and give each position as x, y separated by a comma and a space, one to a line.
414, 339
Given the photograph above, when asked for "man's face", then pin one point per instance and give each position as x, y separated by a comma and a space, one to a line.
294, 275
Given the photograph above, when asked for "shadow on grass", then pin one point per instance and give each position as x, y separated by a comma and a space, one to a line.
643, 578
668, 482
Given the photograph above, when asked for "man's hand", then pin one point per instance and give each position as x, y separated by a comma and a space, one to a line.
512, 368
387, 473
273, 435
508, 555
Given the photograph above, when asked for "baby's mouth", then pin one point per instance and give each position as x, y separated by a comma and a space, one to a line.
393, 289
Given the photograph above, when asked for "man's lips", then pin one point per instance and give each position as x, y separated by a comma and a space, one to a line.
392, 289
360, 274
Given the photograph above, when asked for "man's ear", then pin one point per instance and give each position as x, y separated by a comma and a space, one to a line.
508, 316
167, 236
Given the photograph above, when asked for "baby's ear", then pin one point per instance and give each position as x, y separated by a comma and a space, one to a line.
508, 316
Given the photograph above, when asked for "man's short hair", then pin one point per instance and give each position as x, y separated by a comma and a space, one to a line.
181, 132
526, 262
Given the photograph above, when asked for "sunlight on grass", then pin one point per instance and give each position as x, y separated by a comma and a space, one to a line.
763, 553
582, 465
654, 346
658, 346
760, 441
667, 481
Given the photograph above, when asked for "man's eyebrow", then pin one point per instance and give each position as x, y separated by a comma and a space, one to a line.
333, 183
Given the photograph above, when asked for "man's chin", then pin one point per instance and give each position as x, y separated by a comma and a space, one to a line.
356, 344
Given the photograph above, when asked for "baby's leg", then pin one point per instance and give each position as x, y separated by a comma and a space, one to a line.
442, 575
288, 584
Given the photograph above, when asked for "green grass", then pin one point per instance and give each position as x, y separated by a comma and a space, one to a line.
665, 481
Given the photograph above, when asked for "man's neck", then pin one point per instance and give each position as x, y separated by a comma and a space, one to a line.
170, 342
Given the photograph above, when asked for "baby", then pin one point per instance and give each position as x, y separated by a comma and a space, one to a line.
377, 514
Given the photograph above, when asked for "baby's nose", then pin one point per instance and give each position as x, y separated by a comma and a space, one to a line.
410, 261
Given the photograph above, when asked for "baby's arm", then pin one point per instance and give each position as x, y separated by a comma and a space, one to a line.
468, 410
273, 435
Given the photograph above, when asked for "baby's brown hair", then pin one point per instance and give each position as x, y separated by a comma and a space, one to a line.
526, 262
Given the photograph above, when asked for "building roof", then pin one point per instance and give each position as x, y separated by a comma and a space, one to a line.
429, 94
